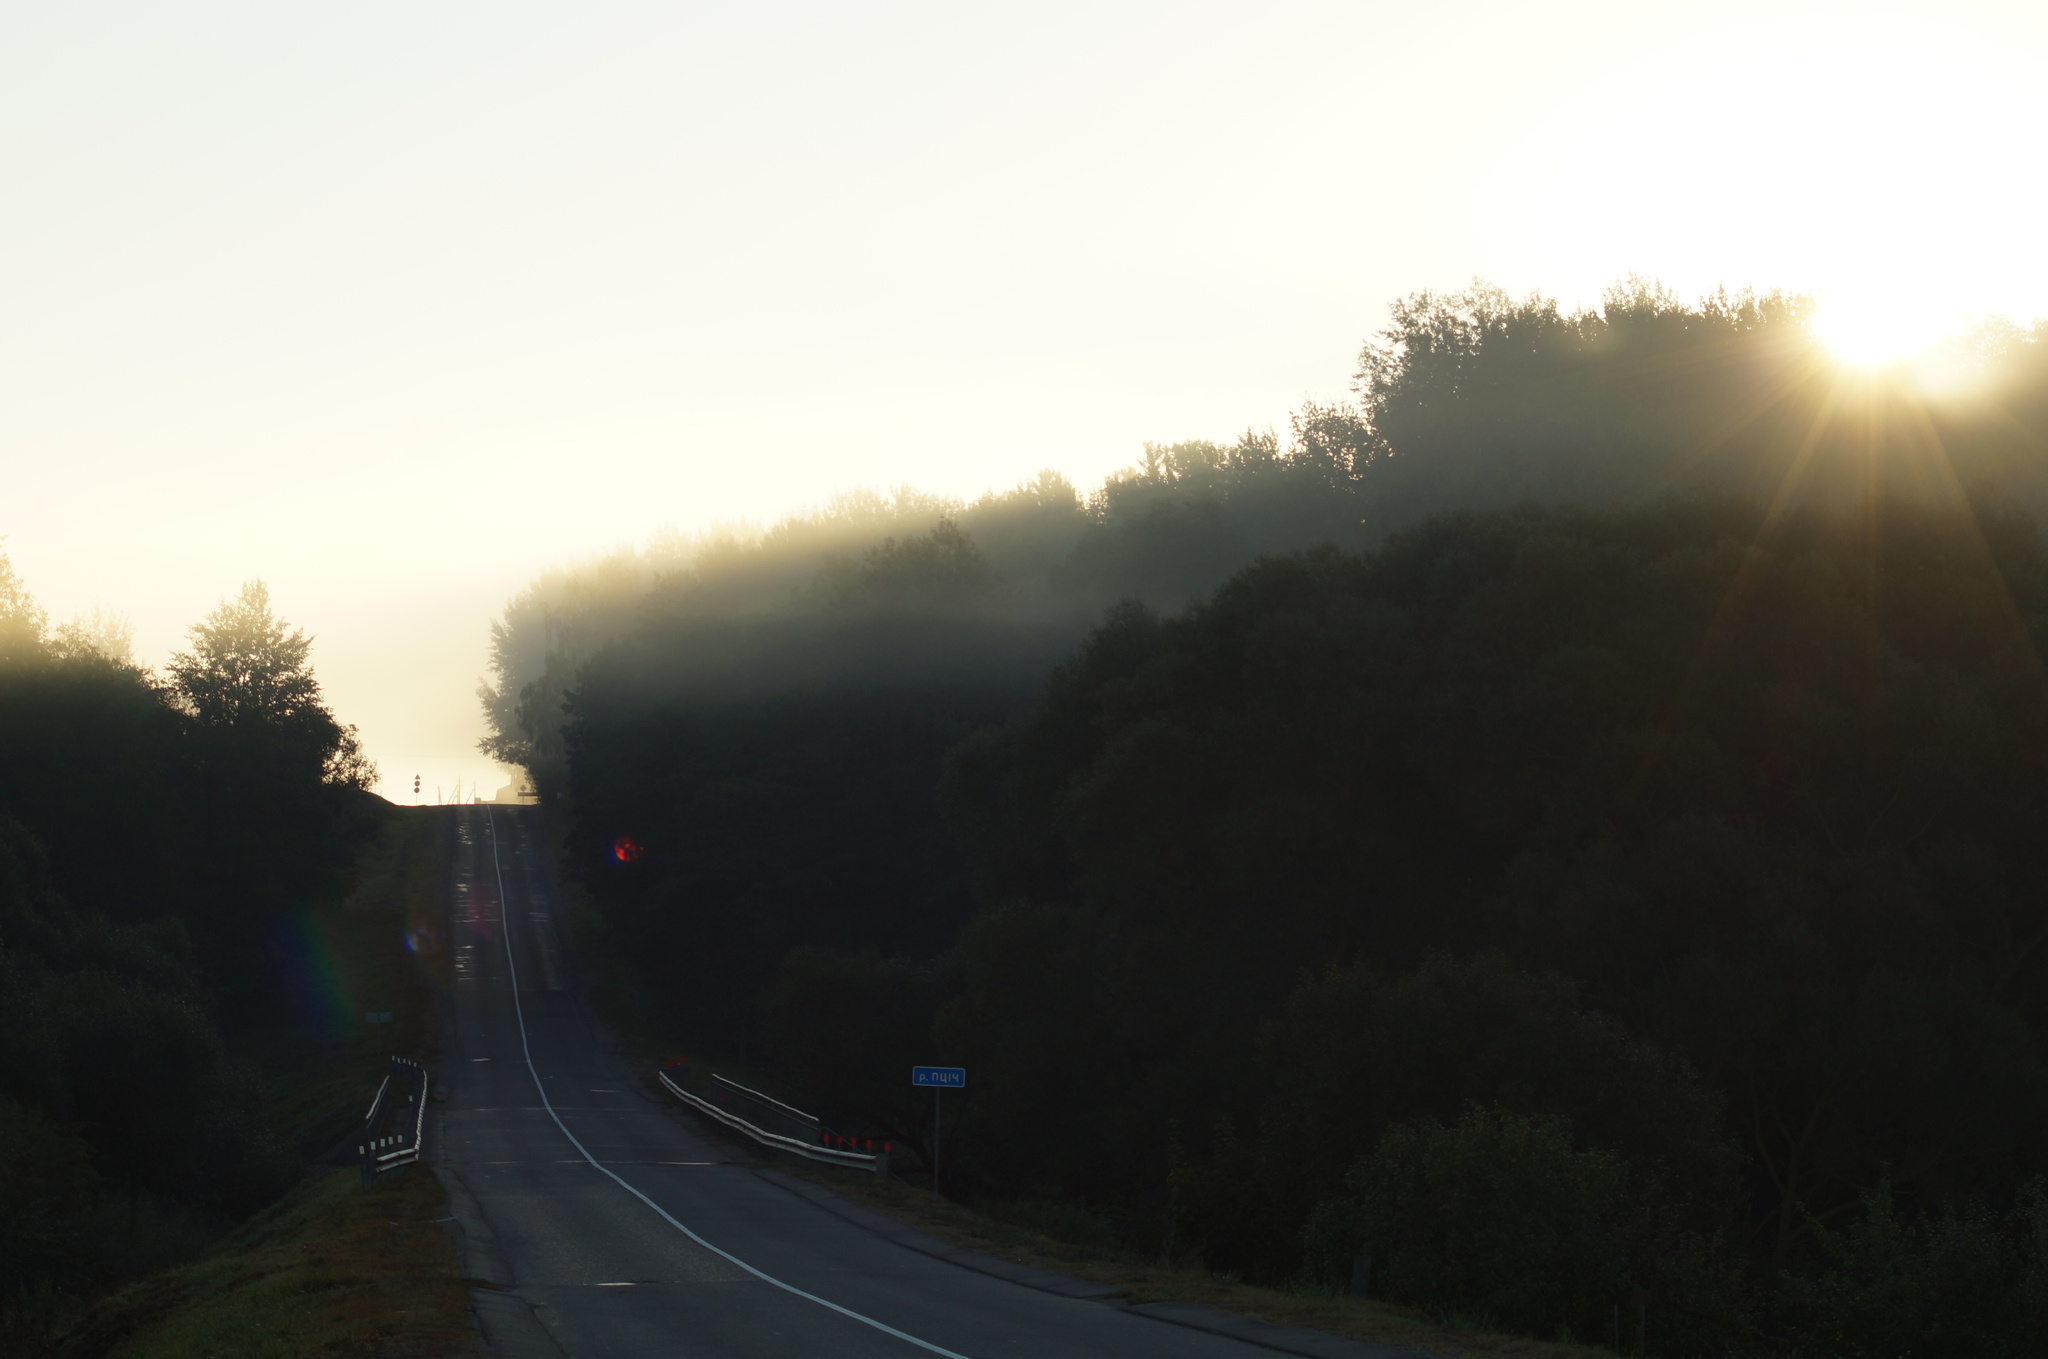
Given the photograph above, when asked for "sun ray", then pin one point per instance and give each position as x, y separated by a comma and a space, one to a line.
1781, 386
1944, 465
1737, 592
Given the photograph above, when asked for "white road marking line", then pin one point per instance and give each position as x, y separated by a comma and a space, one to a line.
519, 1012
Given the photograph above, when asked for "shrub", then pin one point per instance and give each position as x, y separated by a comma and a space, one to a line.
1500, 1220
1970, 1283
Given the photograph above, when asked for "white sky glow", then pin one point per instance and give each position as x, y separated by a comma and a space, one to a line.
394, 305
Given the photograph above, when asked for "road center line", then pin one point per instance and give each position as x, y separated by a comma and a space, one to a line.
519, 1012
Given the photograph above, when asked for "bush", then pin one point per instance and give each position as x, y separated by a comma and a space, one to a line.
48, 1188
1500, 1220
846, 1031
1356, 1049
125, 1133
1971, 1284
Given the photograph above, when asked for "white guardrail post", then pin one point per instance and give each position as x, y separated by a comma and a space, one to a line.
875, 1161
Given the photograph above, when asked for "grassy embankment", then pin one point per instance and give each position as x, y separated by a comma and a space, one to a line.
328, 1270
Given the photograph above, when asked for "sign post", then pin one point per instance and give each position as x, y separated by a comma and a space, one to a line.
940, 1079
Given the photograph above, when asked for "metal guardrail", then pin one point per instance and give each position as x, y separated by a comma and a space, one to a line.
393, 1131
803, 1136
765, 1111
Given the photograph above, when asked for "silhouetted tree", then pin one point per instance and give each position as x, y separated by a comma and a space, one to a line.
249, 671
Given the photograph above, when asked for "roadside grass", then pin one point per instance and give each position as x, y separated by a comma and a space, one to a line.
326, 1271
1145, 1280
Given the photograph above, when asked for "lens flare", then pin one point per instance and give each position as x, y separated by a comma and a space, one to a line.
307, 960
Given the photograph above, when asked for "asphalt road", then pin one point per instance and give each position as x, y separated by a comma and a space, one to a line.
613, 1227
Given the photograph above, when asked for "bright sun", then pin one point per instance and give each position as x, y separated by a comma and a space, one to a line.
1878, 334
1877, 176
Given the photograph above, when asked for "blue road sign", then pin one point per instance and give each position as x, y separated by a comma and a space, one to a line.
945, 1077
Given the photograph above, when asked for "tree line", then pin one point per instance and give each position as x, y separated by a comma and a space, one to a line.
1565, 824
156, 833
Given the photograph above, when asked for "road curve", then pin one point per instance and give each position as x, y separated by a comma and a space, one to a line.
608, 1226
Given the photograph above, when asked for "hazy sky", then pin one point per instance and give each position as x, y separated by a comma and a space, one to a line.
393, 305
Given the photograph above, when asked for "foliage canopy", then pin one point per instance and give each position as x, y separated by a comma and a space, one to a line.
1613, 741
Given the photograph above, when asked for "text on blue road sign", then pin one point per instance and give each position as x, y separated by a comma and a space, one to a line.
953, 1076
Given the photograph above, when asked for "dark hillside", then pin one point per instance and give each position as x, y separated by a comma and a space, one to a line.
1687, 857
162, 845
1567, 824
1774, 805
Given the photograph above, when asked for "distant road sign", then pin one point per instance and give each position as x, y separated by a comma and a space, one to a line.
945, 1077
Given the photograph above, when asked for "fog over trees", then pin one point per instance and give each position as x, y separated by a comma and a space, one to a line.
1567, 821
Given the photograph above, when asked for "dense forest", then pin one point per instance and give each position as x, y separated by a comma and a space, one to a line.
1566, 823
158, 836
